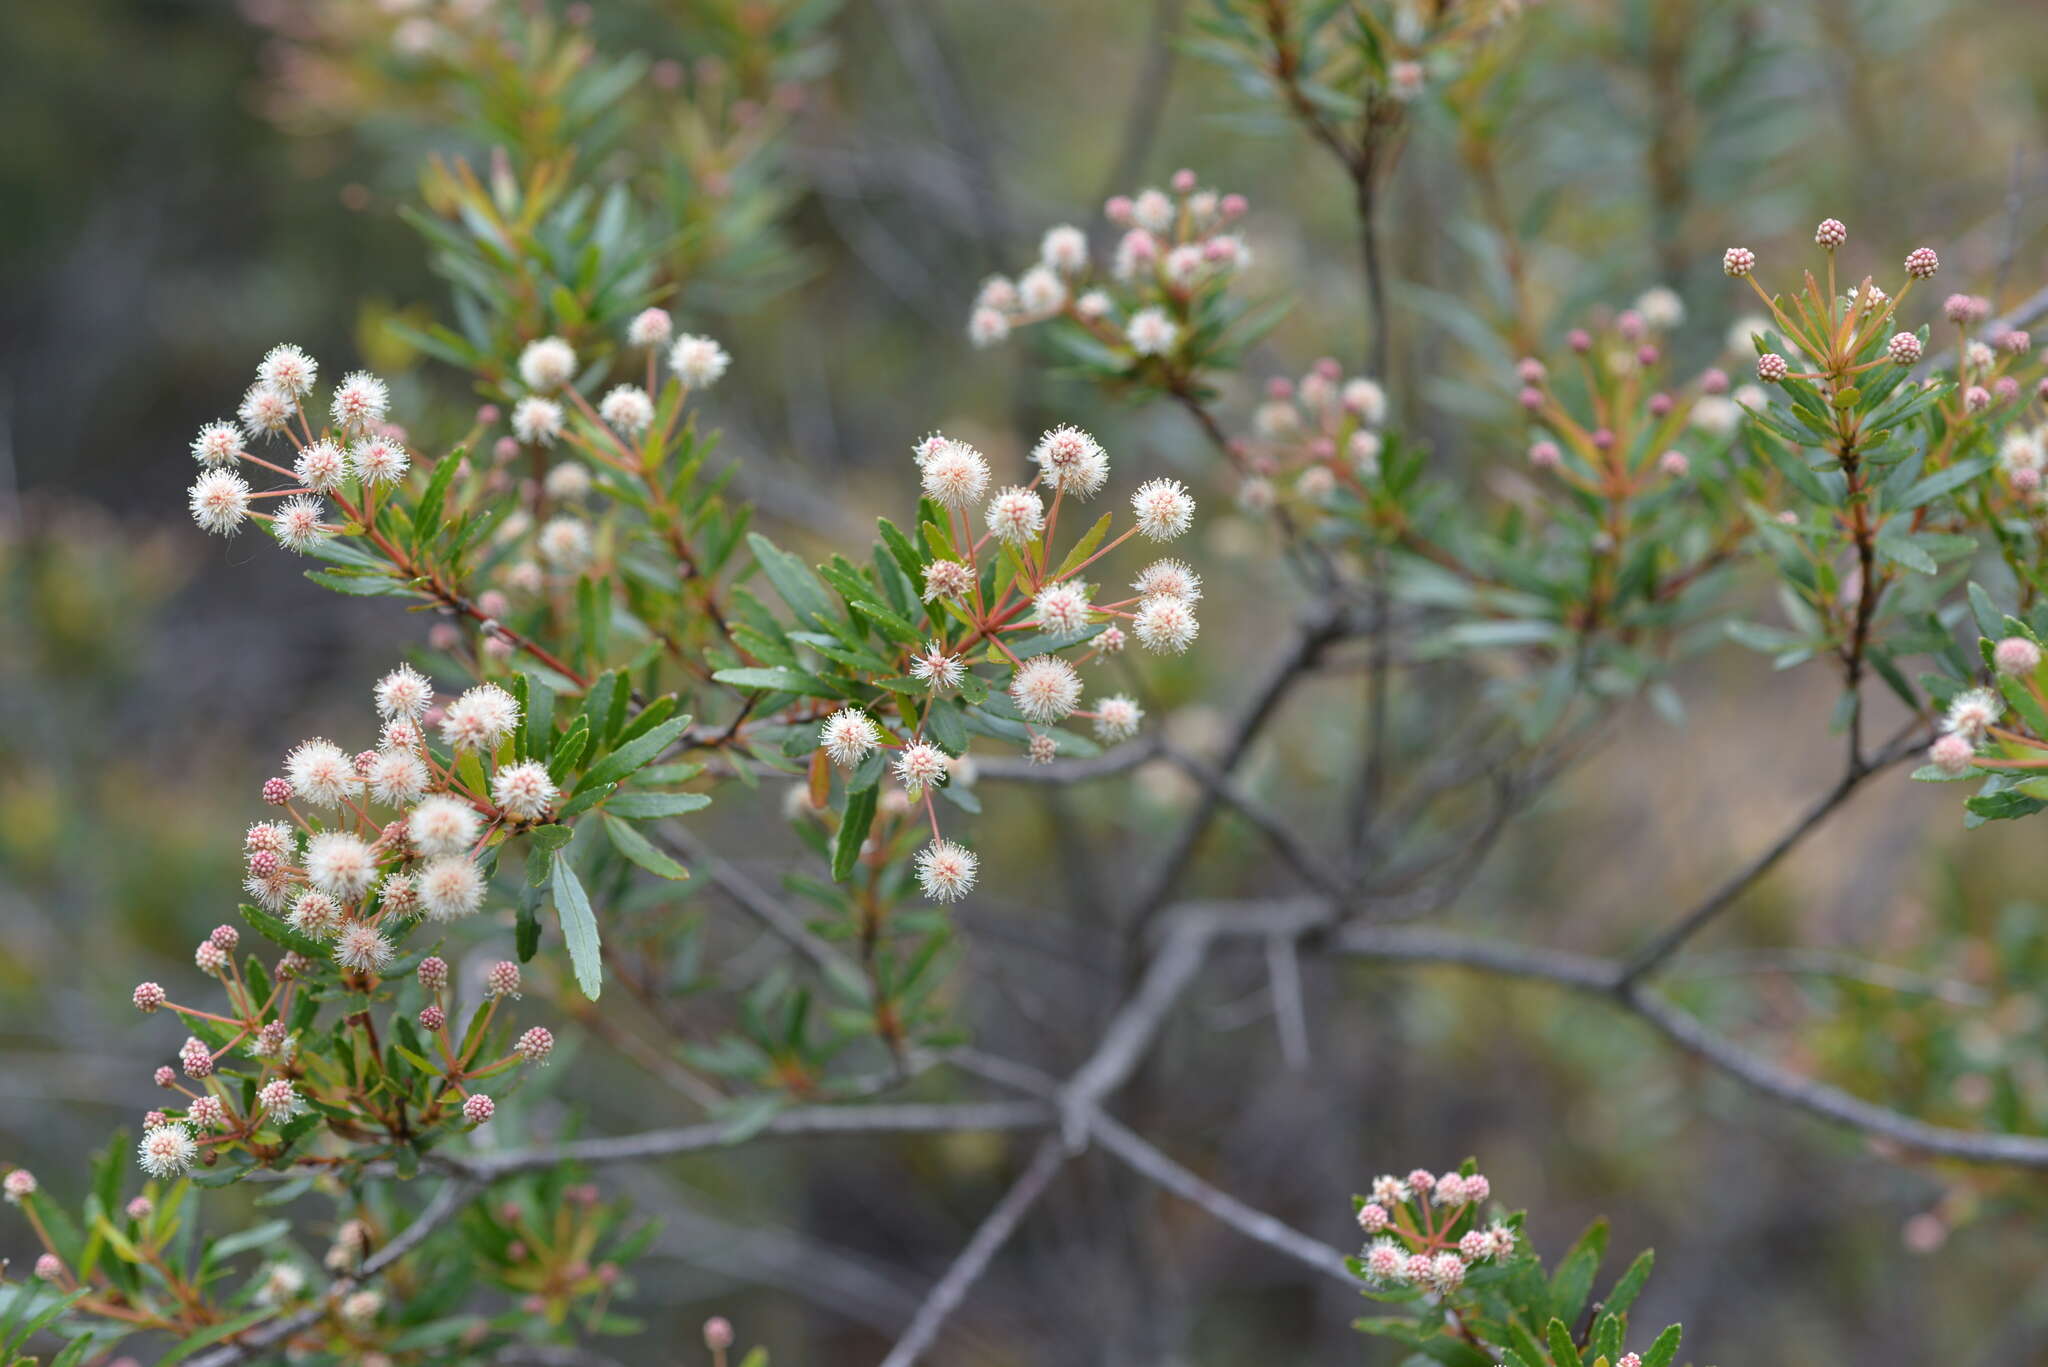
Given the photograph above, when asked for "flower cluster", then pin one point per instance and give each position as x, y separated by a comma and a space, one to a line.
393, 833
995, 588
1177, 253
1424, 1231
353, 456
1311, 438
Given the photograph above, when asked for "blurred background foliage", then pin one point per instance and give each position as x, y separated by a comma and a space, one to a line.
188, 182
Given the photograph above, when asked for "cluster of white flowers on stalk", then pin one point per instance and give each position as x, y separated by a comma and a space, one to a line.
349, 459
341, 874
551, 538
1425, 1231
337, 874
1004, 593
1311, 439
1176, 249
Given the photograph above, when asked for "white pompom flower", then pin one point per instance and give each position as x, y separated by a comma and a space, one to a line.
320, 773
218, 443
628, 409
1074, 462
1117, 717
919, 766
946, 871
848, 737
288, 370
299, 523
404, 692
524, 791
340, 865
1046, 688
378, 460
321, 466
166, 1150
219, 500
537, 421
481, 718
1151, 333
442, 825
650, 328
547, 363
1015, 515
1166, 624
450, 888
360, 402
265, 411
1061, 609
1164, 509
1169, 579
698, 362
955, 475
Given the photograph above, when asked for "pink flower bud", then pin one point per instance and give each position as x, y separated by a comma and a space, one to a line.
1831, 234
2016, 655
1714, 382
276, 791
1771, 367
1922, 263
1183, 181
148, 997
717, 1333
1674, 464
478, 1108
432, 1018
1738, 261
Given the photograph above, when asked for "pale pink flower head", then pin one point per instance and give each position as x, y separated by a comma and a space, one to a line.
1164, 509
1976, 398
433, 972
537, 421
1169, 579
848, 737
1064, 249
1074, 462
1903, 348
288, 370
478, 1108
378, 460
1771, 367
300, 524
547, 363
1674, 464
1151, 332
717, 1333
1372, 1217
627, 409
361, 401
946, 579
480, 719
920, 766
361, 948
1061, 609
219, 500
1118, 717
1971, 713
1544, 455
535, 1045
149, 997
1738, 261
166, 1150
650, 328
265, 412
524, 791
1385, 1263
49, 1267
1015, 515
1166, 624
442, 825
2016, 655
279, 1099
450, 888
1952, 754
946, 871
1046, 688
955, 476
1922, 263
18, 1185
699, 362
1831, 233
934, 668
340, 864
218, 443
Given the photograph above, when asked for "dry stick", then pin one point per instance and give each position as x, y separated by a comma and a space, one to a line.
1156, 1167
1646, 959
1322, 625
447, 1201
759, 903
988, 1240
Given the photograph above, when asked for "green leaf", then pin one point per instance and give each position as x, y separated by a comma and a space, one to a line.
798, 587
776, 679
1664, 1349
579, 926
633, 756
1563, 1351
1944, 481
649, 806
641, 850
1631, 1284
853, 831
282, 932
